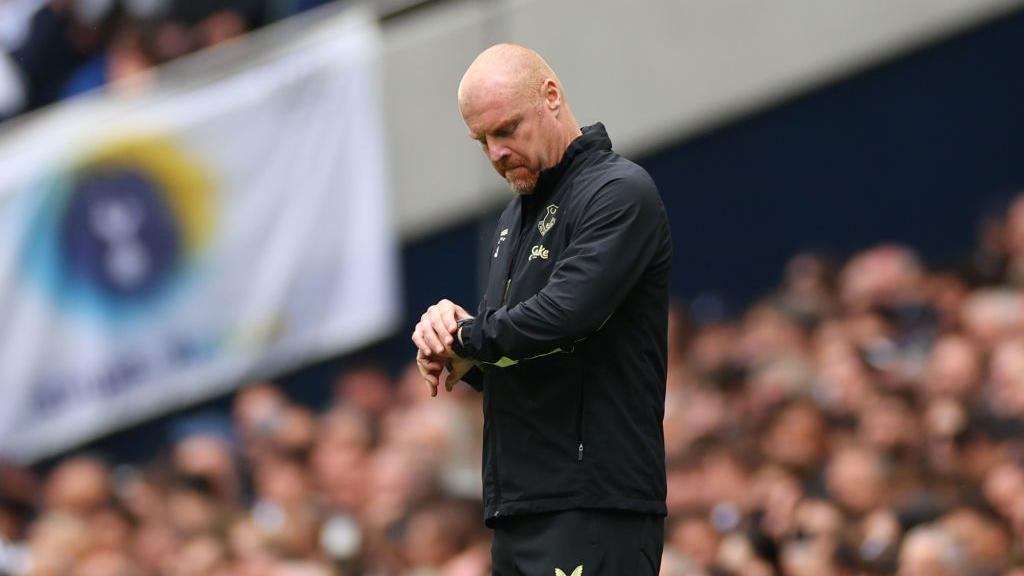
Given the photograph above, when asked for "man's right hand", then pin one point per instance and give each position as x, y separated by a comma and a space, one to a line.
433, 334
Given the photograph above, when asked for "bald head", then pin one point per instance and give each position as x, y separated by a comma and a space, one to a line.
510, 68
513, 104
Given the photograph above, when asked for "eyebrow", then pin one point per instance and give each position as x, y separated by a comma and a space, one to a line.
505, 125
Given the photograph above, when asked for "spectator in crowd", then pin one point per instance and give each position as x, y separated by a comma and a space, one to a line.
55, 49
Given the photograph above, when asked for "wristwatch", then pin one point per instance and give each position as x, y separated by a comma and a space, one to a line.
458, 329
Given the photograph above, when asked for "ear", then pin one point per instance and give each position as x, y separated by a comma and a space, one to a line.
551, 94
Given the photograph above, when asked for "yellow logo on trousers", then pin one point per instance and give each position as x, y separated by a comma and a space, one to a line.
577, 572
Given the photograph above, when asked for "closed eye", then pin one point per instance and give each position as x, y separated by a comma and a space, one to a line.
507, 130
504, 131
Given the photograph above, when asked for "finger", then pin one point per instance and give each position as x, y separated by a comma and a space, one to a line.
447, 310
432, 345
460, 313
437, 320
431, 371
429, 375
421, 344
431, 379
426, 329
429, 363
450, 380
434, 366
433, 341
432, 386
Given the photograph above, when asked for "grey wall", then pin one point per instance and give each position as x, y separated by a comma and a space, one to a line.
654, 71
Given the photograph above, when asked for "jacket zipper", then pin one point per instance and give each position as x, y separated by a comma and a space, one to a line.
514, 255
579, 414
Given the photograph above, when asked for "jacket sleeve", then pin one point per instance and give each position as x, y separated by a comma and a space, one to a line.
475, 377
616, 235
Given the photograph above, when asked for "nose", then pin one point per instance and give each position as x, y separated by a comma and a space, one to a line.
495, 151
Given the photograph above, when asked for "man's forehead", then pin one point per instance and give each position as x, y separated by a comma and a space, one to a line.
476, 88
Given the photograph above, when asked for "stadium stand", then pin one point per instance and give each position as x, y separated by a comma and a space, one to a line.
860, 419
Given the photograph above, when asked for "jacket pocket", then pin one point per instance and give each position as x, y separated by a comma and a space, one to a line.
537, 429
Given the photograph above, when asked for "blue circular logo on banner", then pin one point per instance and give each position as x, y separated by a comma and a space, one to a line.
118, 235
119, 231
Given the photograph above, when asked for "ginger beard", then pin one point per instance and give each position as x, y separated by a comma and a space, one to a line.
520, 179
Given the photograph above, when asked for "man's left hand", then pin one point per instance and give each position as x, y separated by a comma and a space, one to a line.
459, 367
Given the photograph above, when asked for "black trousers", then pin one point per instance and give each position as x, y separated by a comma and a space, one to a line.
578, 543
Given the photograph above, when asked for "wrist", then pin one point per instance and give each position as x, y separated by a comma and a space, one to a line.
462, 335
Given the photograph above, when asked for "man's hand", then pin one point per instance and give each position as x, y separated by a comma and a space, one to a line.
433, 367
434, 336
459, 368
430, 368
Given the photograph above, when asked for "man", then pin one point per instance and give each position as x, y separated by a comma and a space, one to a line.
569, 342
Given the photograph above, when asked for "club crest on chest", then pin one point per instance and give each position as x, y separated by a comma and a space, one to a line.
548, 221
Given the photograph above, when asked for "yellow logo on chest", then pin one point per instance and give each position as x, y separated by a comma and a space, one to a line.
548, 221
538, 251
577, 572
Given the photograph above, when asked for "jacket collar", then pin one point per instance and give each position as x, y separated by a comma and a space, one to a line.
594, 138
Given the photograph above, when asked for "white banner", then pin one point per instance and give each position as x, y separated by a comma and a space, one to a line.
226, 221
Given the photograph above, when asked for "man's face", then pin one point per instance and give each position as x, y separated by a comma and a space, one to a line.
514, 132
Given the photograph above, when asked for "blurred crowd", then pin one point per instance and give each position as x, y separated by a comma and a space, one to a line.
54, 49
383, 481
866, 418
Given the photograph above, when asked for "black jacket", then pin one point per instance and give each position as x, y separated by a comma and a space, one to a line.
571, 340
